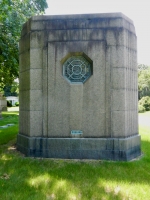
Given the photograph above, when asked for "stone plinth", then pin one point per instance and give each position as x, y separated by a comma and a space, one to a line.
78, 74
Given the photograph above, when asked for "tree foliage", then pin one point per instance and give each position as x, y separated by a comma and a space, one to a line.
11, 90
145, 103
144, 82
13, 13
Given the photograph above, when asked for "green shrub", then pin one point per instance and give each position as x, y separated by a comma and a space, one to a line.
141, 109
145, 102
9, 104
17, 104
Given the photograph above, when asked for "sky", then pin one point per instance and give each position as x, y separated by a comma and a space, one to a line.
137, 10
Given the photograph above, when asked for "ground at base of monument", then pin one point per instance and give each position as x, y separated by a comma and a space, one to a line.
118, 149
72, 179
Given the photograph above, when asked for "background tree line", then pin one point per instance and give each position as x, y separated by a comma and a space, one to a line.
144, 87
13, 14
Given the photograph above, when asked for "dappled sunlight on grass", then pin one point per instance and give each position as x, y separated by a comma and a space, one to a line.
58, 187
125, 189
51, 179
5, 157
61, 184
39, 180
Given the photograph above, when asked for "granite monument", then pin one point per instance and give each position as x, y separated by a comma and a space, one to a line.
78, 87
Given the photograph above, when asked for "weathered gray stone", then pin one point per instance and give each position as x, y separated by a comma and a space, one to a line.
25, 96
24, 121
118, 100
36, 79
36, 55
35, 123
36, 100
85, 148
24, 83
24, 44
24, 61
103, 108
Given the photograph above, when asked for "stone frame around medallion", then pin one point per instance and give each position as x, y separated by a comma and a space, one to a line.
77, 67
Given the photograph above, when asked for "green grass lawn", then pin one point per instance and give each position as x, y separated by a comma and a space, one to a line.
23, 178
8, 134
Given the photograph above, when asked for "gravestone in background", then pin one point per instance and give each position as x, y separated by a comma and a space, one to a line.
3, 104
78, 87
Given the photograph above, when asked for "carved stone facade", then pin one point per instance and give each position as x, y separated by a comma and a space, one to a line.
78, 87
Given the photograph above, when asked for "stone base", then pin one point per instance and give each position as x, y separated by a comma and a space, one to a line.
121, 149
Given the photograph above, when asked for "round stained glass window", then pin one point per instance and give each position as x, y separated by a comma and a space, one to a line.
77, 69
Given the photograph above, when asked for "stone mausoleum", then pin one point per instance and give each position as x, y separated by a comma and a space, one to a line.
78, 87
